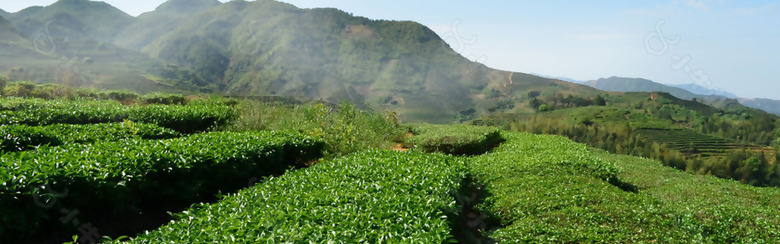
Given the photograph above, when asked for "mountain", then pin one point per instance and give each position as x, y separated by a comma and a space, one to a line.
769, 105
4, 14
620, 84
700, 90
75, 19
75, 48
271, 48
716, 98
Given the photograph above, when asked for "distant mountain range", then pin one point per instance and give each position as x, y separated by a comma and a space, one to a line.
717, 98
269, 48
263, 48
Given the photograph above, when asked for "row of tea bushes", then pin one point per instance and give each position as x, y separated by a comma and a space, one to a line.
453, 139
116, 179
182, 118
365, 197
24, 137
546, 189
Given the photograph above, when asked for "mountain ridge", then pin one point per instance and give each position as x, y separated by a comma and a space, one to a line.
272, 48
76, 19
716, 98
701, 90
622, 84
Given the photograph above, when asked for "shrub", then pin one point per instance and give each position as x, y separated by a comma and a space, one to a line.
453, 139
19, 89
370, 196
115, 180
121, 96
185, 119
163, 98
344, 127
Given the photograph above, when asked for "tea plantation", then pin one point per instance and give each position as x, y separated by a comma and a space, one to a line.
229, 175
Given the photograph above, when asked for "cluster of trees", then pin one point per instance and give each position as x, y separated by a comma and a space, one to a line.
758, 129
750, 167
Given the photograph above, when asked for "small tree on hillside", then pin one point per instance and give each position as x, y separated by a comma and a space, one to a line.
600, 101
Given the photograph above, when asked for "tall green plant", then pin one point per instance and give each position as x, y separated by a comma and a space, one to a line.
344, 127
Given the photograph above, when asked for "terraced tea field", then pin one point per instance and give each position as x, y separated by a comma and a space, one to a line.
691, 142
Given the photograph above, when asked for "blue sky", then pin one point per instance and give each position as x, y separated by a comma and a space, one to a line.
727, 44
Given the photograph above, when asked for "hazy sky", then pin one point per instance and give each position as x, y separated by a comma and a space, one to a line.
728, 44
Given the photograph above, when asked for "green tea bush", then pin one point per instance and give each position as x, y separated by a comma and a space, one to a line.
185, 119
163, 98
366, 197
24, 137
182, 118
46, 112
109, 132
120, 95
453, 139
114, 180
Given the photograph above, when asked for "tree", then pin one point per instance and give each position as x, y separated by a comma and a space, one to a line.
535, 103
600, 101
